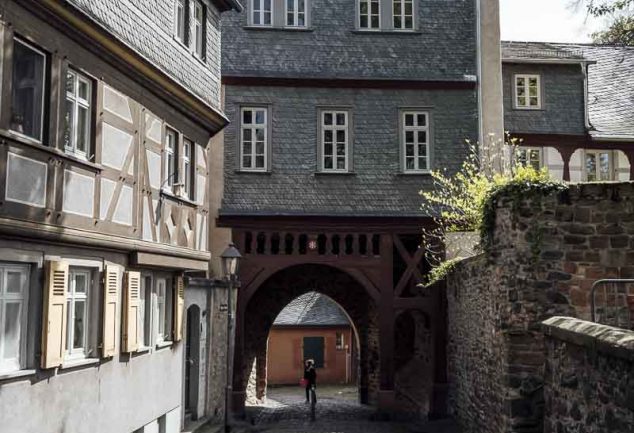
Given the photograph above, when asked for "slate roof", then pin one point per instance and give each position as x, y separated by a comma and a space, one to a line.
312, 309
610, 80
512, 50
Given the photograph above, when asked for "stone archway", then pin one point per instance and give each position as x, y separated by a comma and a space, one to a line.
279, 290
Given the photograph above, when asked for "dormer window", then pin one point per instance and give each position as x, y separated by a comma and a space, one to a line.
528, 92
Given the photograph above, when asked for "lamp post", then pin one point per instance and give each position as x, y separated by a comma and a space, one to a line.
230, 261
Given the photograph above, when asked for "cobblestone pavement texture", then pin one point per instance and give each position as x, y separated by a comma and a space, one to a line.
337, 411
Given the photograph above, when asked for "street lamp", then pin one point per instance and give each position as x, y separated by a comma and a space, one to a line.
230, 260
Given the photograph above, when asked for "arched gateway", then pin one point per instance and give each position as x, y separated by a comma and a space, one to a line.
372, 276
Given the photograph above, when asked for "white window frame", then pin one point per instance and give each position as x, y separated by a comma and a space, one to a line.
597, 154
527, 159
415, 129
180, 4
171, 156
403, 15
198, 40
77, 103
261, 13
295, 13
19, 363
162, 310
44, 90
71, 298
339, 345
188, 178
369, 27
334, 128
254, 127
526, 87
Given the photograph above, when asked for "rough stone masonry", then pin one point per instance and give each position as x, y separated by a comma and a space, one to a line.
546, 254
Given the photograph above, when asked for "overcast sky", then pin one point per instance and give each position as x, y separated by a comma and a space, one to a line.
545, 20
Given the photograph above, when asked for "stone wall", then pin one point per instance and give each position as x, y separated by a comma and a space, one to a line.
545, 256
589, 377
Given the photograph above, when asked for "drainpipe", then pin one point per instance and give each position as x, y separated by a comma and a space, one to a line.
586, 96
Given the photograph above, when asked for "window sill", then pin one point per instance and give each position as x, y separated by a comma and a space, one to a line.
280, 29
164, 344
16, 374
415, 173
140, 351
528, 109
266, 172
334, 173
181, 199
74, 363
50, 150
387, 32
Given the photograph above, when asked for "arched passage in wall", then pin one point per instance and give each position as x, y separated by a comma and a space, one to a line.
278, 291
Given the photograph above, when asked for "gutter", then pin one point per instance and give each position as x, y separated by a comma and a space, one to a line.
623, 138
549, 61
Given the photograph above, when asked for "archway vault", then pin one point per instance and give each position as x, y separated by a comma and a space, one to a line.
372, 275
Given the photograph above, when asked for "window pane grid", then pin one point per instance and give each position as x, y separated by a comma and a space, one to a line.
416, 141
262, 12
14, 285
527, 91
253, 139
180, 20
403, 13
171, 141
530, 157
369, 14
334, 140
77, 122
27, 99
78, 307
599, 165
296, 13
199, 23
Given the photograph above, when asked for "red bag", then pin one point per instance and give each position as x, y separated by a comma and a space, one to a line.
303, 382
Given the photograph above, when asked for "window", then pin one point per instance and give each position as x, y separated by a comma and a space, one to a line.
339, 341
27, 98
77, 298
334, 140
78, 114
188, 184
171, 169
14, 290
254, 139
261, 12
528, 92
415, 141
199, 29
599, 165
403, 14
180, 20
163, 310
296, 13
369, 14
530, 157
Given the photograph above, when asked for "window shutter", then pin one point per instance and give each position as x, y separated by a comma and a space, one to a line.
54, 314
131, 302
179, 305
112, 283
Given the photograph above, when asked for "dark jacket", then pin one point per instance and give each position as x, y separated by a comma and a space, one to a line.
310, 375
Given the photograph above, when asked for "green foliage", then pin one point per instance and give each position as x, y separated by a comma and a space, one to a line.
620, 32
440, 272
467, 200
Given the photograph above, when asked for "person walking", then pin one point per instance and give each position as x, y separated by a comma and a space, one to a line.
310, 376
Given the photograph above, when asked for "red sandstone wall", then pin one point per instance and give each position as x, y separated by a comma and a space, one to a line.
284, 356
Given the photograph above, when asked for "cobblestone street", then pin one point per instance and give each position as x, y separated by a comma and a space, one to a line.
337, 412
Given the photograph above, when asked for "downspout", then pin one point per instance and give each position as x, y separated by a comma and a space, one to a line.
479, 70
586, 96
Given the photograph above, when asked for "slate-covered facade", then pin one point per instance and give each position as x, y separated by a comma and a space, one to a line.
107, 116
582, 128
339, 111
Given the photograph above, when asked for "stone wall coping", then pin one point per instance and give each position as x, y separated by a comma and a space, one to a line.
612, 341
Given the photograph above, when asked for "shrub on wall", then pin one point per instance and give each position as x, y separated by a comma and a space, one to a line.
467, 200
